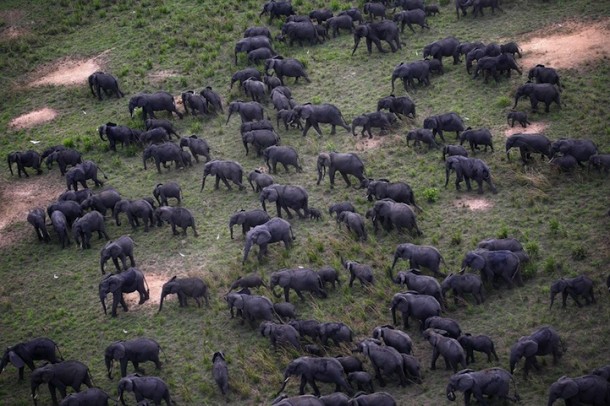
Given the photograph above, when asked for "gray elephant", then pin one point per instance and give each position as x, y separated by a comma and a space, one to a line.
391, 214
374, 33
325, 113
282, 154
135, 209
196, 102
145, 387
494, 65
399, 192
538, 92
158, 135
79, 196
248, 219
416, 305
162, 154
248, 281
383, 358
443, 47
285, 310
581, 150
491, 382
467, 169
338, 22
61, 227
37, 218
256, 31
248, 111
88, 397
323, 369
495, 264
518, 116
259, 139
408, 72
244, 74
70, 209
374, 9
220, 372
280, 334
99, 81
286, 67
420, 256
58, 377
163, 191
362, 272
302, 400
118, 134
444, 122
449, 348
464, 283
354, 13
480, 343
475, 138
261, 180
281, 102
289, 118
248, 44
588, 389
64, 158
422, 135
394, 338
81, 173
167, 125
225, 171
362, 379
252, 307
27, 352
599, 162
578, 286
121, 248
184, 288
83, 227
496, 244
329, 274
373, 399
274, 230
345, 163
254, 88
176, 217
354, 223
451, 150
543, 341
298, 280
24, 159
417, 282
377, 119
255, 56
300, 31
401, 105
197, 146
408, 17
102, 201
340, 207
543, 74
128, 281
151, 102
135, 351
450, 327
285, 196
275, 9
213, 100
528, 144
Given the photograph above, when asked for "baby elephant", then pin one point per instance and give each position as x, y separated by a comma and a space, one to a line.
185, 287
578, 286
362, 272
354, 223
480, 343
518, 116
329, 274
314, 214
220, 372
285, 310
363, 380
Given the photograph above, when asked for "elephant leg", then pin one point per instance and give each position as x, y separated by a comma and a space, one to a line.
195, 234
300, 295
302, 385
287, 294
378, 375
435, 355
116, 264
226, 182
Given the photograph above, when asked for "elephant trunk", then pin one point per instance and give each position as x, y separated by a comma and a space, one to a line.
10, 167
450, 393
231, 230
161, 302
394, 263
390, 273
356, 43
230, 111
109, 366
394, 77
144, 160
247, 250
262, 199
553, 294
103, 300
447, 171
245, 146
101, 131
102, 263
517, 96
34, 395
277, 295
321, 173
286, 379
393, 309
513, 362
203, 183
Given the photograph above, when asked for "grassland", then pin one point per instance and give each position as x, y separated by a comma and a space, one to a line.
46, 291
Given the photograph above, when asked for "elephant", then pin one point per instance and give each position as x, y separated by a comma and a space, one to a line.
24, 159
37, 218
394, 338
443, 47
88, 397
354, 223
345, 163
284, 155
118, 134
197, 146
407, 72
329, 274
383, 358
81, 172
289, 117
492, 264
282, 334
314, 214
220, 372
323, 369
581, 150
480, 343
248, 44
401, 105
464, 283
422, 135
260, 139
528, 144
137, 350
272, 82
244, 74
409, 4
491, 382
391, 214
478, 5
248, 219
417, 282
252, 307
184, 288
493, 65
338, 22
257, 31
70, 209
59, 376
285, 196
450, 327
320, 15
543, 341
225, 171
325, 113
416, 305
408, 17
538, 92
83, 227
102, 201
420, 256
578, 286
432, 9
261, 180
157, 135
374, 10
478, 137
496, 244
163, 191
254, 88
196, 102
309, 328
277, 9
565, 163
340, 207
302, 31
281, 101
542, 74
399, 192
518, 116
286, 67
99, 81
27, 352
64, 158
588, 389
302, 400
377, 119
477, 53
604, 372
176, 217
373, 399
468, 169
285, 310
213, 100
151, 102
511, 48
145, 387
248, 111
298, 280
354, 13
162, 154
451, 150
274, 230
449, 348
78, 196
445, 122
255, 56
120, 248
599, 162
248, 281
363, 380
362, 272
60, 225
385, 30
135, 209
128, 281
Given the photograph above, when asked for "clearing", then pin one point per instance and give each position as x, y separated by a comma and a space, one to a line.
33, 118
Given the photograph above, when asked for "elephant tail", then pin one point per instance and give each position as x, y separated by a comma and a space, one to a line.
146, 285
292, 234
164, 353
103, 173
61, 357
10, 167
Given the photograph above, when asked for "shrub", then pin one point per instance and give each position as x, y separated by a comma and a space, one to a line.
431, 194
579, 253
68, 143
532, 249
502, 102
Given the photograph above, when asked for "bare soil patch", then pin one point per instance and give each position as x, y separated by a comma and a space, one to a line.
14, 27
474, 203
365, 143
159, 76
567, 45
534, 128
68, 72
33, 118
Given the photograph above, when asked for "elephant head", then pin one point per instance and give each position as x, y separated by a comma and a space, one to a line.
304, 111
431, 123
234, 107
563, 388
115, 351
10, 355
298, 367
135, 101
323, 163
523, 91
39, 376
474, 261
557, 287
109, 284
401, 303
522, 348
110, 250
269, 193
258, 235
279, 278
266, 328
210, 168
462, 381
236, 219
126, 384
170, 287
360, 32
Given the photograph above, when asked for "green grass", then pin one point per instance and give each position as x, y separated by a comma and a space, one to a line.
560, 218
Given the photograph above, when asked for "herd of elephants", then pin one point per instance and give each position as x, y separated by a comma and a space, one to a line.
78, 213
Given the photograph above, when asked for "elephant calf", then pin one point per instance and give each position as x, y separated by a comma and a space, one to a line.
184, 288
176, 216
480, 343
220, 372
449, 348
362, 272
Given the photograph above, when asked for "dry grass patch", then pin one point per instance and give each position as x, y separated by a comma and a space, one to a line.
160, 76
33, 118
13, 21
474, 203
534, 128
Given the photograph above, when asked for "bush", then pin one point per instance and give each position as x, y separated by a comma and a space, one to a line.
68, 143
579, 253
431, 194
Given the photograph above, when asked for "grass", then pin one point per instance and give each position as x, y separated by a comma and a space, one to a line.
560, 218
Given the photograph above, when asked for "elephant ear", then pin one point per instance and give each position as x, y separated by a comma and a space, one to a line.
47, 374
569, 388
15, 359
530, 347
465, 382
114, 284
306, 112
118, 351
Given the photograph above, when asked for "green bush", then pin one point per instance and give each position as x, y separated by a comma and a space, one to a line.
431, 194
579, 253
